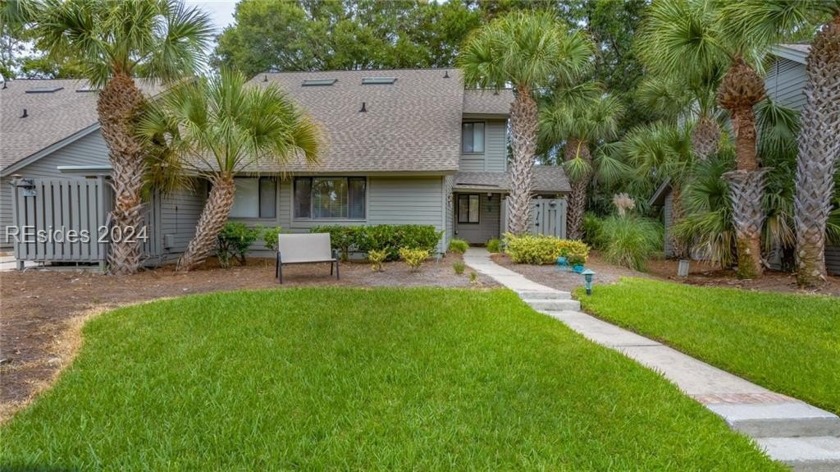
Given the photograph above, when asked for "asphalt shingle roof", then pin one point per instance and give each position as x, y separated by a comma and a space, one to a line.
488, 102
547, 179
412, 125
51, 117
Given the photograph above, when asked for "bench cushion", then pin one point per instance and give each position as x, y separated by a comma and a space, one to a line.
296, 248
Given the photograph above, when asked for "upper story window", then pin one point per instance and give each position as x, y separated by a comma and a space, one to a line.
330, 198
472, 138
255, 198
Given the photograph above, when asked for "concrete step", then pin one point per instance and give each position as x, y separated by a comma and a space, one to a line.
553, 305
778, 420
545, 295
812, 454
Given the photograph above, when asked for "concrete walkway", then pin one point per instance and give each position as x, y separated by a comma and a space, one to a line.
791, 431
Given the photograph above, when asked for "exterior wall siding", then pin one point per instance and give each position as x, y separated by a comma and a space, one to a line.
488, 222
179, 213
87, 151
785, 83
832, 259
494, 158
390, 200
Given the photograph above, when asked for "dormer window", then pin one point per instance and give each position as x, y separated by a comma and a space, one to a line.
472, 138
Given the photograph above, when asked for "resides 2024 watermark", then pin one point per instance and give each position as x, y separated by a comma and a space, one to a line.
104, 234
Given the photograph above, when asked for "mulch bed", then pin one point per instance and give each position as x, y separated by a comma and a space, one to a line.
663, 269
42, 310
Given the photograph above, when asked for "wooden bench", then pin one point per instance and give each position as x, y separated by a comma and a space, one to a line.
304, 249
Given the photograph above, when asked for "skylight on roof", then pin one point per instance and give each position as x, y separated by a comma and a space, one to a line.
87, 89
318, 82
44, 89
378, 80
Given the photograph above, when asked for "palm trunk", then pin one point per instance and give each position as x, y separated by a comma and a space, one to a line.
819, 147
210, 223
739, 91
523, 139
577, 198
677, 213
118, 105
705, 138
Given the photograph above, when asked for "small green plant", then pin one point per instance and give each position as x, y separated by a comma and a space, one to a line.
234, 241
458, 246
494, 245
458, 267
376, 258
473, 277
413, 257
269, 236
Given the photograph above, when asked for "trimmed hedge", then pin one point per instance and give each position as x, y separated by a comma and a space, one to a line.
389, 238
539, 249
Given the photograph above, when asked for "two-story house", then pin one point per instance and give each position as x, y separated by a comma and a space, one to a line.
401, 147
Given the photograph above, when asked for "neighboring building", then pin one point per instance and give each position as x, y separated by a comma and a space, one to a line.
402, 147
785, 84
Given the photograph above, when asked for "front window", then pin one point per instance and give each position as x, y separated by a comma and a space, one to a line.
330, 197
472, 138
468, 208
255, 198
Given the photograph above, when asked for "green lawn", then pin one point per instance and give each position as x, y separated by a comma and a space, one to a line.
785, 342
314, 379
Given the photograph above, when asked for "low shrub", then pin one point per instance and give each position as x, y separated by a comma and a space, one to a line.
376, 259
458, 267
414, 257
234, 241
388, 238
269, 236
539, 249
630, 241
458, 246
342, 238
494, 245
473, 277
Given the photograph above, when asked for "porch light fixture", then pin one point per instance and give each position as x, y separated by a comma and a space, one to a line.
588, 275
489, 196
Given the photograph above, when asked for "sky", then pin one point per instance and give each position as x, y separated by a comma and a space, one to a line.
221, 11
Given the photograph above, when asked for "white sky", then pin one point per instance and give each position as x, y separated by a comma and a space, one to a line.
221, 11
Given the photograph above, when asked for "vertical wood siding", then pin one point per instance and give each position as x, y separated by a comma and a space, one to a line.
87, 151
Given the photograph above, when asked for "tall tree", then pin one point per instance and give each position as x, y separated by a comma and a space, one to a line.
819, 148
217, 127
15, 16
529, 51
694, 38
580, 117
116, 42
344, 34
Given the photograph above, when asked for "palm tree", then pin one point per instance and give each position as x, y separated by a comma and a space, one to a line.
580, 117
819, 146
530, 52
694, 38
216, 127
664, 151
117, 42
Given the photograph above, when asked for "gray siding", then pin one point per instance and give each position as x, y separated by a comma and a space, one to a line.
179, 212
390, 200
494, 158
89, 150
488, 222
786, 83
